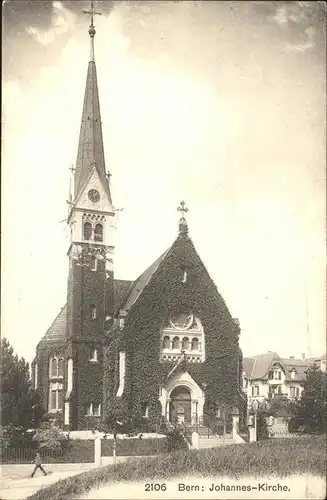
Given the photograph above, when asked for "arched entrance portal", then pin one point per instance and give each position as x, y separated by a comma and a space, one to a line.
180, 407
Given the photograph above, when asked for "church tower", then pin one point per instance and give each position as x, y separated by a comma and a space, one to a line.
90, 291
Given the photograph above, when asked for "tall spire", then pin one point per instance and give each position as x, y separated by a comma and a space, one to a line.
90, 146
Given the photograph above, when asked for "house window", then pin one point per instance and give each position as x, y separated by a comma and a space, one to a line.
53, 367
94, 355
255, 390
294, 392
93, 310
55, 396
56, 367
87, 231
279, 389
88, 410
93, 264
270, 375
93, 410
145, 410
175, 343
195, 344
60, 367
98, 232
293, 374
121, 371
69, 374
166, 342
185, 344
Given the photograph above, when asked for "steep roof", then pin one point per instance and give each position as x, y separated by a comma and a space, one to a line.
138, 285
257, 367
121, 288
300, 366
90, 146
57, 330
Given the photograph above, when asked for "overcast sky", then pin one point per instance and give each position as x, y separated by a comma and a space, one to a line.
218, 103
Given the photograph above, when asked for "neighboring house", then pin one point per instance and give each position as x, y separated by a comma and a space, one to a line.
319, 362
268, 375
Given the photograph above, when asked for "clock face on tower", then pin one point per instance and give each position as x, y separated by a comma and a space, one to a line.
181, 318
94, 195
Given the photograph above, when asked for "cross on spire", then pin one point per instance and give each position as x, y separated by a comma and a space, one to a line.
92, 13
182, 208
183, 229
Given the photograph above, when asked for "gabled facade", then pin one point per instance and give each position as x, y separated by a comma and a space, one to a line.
164, 347
268, 375
174, 353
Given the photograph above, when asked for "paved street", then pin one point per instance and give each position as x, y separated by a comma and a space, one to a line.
16, 482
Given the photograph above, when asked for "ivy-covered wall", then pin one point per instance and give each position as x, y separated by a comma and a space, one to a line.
141, 338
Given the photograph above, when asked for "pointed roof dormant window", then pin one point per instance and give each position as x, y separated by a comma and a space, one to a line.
90, 151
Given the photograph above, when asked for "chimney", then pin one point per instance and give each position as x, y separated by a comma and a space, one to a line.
291, 357
303, 355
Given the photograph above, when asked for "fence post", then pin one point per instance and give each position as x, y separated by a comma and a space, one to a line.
195, 440
114, 450
97, 451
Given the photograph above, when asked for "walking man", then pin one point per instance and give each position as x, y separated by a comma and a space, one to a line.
38, 464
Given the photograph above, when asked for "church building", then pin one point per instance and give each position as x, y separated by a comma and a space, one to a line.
161, 348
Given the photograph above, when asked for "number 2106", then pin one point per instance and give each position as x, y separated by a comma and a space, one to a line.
155, 487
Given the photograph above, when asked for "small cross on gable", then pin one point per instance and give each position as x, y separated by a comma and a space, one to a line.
182, 208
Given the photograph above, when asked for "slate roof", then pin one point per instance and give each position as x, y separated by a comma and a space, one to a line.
300, 366
57, 330
257, 367
120, 291
139, 284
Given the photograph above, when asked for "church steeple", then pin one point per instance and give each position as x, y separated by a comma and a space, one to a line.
90, 152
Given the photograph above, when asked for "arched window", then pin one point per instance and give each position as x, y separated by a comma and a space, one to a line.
195, 344
185, 344
53, 367
98, 232
175, 343
87, 230
60, 367
93, 263
56, 367
166, 342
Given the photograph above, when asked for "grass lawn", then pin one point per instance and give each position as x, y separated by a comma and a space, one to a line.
280, 457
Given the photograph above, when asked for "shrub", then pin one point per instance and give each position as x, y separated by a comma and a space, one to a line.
262, 426
175, 440
52, 439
